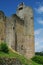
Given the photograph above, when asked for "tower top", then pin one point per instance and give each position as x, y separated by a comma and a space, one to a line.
20, 10
21, 5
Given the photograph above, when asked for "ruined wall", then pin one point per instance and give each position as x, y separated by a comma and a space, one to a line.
10, 34
20, 38
18, 31
9, 61
2, 27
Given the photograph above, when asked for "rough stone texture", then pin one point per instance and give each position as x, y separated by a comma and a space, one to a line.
18, 30
10, 61
26, 14
2, 26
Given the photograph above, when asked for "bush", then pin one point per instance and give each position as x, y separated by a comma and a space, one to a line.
38, 59
4, 47
39, 53
0, 47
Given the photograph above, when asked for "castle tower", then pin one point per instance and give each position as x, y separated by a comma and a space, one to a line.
26, 13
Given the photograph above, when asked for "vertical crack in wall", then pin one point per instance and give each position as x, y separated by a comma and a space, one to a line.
15, 35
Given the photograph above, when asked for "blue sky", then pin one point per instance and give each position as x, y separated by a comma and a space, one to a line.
9, 7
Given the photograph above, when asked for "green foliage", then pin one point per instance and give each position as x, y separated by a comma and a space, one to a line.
22, 59
0, 47
4, 53
4, 47
38, 59
39, 53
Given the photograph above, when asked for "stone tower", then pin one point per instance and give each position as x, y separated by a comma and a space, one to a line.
26, 14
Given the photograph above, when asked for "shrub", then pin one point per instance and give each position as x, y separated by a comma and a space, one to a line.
0, 47
39, 53
38, 59
4, 47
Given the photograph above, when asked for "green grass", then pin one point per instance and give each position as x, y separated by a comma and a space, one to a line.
20, 57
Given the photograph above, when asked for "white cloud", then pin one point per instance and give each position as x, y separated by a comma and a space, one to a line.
38, 45
38, 31
40, 21
39, 48
38, 3
39, 39
39, 9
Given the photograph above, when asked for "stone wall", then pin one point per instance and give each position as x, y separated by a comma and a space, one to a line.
10, 61
2, 26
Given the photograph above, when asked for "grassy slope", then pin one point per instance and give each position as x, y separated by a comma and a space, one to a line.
20, 57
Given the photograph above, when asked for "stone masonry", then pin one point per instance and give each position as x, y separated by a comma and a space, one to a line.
18, 30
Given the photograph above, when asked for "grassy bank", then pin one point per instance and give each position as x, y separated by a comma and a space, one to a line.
18, 56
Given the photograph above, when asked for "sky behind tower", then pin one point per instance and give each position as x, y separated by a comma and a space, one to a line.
9, 7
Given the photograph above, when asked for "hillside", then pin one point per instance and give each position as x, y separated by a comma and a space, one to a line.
13, 55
